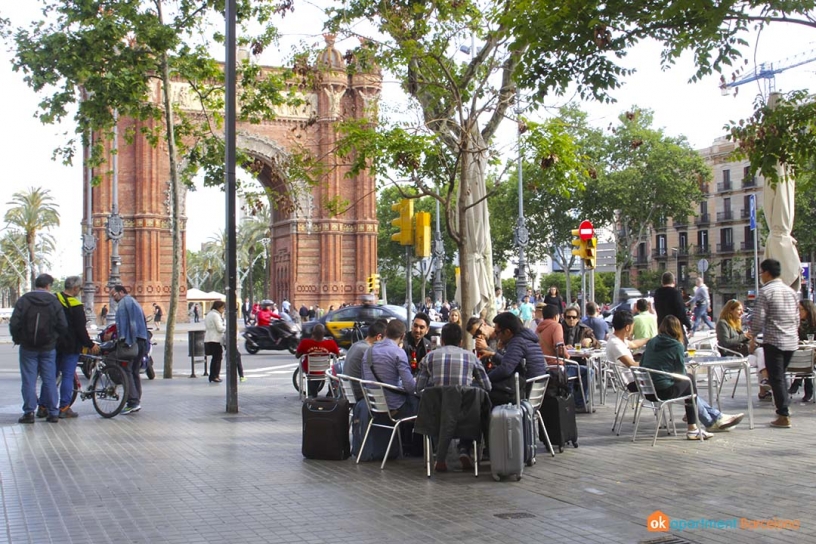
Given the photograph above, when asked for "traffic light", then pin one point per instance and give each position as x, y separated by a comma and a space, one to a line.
422, 238
405, 234
374, 283
580, 245
591, 247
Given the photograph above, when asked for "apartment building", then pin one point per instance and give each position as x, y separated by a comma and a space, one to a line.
720, 231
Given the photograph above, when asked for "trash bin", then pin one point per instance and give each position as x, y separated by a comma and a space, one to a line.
195, 348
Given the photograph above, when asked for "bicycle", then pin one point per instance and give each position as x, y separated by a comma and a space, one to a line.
108, 385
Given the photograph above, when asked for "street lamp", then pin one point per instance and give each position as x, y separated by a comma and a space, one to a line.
115, 227
439, 258
521, 235
88, 242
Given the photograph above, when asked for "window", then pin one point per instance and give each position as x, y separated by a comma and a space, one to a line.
727, 177
727, 204
704, 208
749, 238
702, 239
726, 268
683, 240
727, 236
661, 245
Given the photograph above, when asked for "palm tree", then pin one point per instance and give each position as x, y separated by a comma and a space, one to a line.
32, 212
254, 234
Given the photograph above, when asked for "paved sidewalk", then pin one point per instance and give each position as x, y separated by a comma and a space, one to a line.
182, 470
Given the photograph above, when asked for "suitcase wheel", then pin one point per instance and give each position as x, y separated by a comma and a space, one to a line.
518, 477
574, 443
497, 477
530, 463
560, 449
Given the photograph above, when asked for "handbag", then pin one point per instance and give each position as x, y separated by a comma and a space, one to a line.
123, 352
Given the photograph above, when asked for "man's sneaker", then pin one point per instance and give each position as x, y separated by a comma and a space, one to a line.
243, 378
699, 434
131, 409
782, 422
27, 418
441, 466
67, 413
52, 419
42, 411
725, 422
764, 386
467, 462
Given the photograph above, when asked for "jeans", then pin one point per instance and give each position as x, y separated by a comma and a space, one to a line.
66, 365
135, 368
776, 363
42, 363
706, 413
572, 372
700, 317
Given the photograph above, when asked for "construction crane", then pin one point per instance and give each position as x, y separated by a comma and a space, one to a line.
767, 71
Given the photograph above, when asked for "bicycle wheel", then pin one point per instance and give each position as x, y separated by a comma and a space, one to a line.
109, 389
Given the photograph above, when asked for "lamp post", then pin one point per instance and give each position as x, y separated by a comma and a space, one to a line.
439, 257
521, 235
88, 243
115, 227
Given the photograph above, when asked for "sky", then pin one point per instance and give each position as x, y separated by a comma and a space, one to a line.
696, 110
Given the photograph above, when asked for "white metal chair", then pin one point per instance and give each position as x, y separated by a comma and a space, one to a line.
318, 364
374, 395
620, 378
347, 387
645, 385
725, 352
802, 365
538, 386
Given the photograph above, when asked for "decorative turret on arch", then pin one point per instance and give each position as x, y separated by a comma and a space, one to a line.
317, 258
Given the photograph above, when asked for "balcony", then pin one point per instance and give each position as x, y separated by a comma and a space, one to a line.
747, 245
641, 260
659, 226
660, 253
725, 248
749, 182
724, 186
745, 213
682, 252
702, 219
704, 188
703, 250
680, 222
726, 215
723, 281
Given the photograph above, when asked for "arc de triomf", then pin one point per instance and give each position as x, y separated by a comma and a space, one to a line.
317, 258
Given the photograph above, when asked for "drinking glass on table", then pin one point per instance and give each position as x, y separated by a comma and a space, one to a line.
692, 351
810, 337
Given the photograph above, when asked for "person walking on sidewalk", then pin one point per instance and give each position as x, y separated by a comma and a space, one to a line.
699, 303
69, 345
131, 328
36, 323
777, 318
157, 316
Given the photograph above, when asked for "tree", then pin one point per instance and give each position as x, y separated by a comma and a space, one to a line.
650, 177
106, 57
33, 213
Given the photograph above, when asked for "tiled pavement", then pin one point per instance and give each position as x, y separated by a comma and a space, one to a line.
182, 470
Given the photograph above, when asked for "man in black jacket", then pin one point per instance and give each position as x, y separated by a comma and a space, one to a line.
36, 323
69, 346
669, 301
417, 344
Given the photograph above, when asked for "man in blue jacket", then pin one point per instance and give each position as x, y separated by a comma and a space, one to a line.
521, 354
132, 328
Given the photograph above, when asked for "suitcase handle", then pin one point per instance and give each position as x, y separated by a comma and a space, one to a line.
518, 391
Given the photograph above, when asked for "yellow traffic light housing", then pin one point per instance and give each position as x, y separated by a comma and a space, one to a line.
404, 223
422, 238
374, 283
591, 253
579, 249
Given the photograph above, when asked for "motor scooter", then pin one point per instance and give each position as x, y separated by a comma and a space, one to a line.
281, 335
108, 346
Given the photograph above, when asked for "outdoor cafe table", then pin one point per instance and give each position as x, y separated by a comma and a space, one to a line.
693, 364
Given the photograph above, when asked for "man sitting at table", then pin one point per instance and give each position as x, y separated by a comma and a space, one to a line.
551, 340
452, 365
619, 347
665, 352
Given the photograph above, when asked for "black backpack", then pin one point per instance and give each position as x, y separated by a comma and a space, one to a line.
38, 326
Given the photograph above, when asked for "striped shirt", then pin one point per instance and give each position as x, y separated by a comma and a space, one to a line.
777, 316
451, 365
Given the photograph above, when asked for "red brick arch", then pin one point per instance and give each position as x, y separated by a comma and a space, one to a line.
317, 258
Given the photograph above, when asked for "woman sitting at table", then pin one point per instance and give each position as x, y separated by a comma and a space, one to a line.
665, 352
807, 326
731, 337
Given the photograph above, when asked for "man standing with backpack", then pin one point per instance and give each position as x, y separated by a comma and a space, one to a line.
36, 323
69, 346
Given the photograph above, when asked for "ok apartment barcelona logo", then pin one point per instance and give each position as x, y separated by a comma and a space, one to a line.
658, 522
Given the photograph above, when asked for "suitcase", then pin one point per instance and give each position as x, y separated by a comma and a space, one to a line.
506, 440
378, 438
529, 425
326, 429
559, 418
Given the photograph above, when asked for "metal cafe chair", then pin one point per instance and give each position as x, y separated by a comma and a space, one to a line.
374, 395
645, 385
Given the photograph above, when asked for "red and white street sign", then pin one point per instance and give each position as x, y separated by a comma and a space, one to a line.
585, 230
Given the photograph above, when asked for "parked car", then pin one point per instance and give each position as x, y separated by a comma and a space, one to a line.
340, 323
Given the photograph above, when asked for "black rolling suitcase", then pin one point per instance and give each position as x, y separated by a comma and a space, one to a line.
326, 429
558, 413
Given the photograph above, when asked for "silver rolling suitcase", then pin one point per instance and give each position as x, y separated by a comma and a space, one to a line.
507, 440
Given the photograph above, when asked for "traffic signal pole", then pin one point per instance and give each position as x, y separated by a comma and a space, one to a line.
409, 288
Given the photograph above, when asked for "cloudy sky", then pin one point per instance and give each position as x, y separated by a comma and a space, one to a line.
697, 111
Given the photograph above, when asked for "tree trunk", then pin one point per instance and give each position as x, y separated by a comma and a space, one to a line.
175, 195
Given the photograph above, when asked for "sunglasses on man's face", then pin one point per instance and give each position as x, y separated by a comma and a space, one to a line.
571, 317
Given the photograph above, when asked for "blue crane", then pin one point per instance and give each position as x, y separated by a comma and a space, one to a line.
768, 71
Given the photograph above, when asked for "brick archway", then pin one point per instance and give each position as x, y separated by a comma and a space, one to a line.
317, 258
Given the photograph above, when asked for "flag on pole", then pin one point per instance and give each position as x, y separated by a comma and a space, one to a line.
752, 205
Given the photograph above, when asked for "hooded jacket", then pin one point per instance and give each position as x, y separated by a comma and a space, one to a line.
549, 333
30, 302
666, 354
523, 345
76, 337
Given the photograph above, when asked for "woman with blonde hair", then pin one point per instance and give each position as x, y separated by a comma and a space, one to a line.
455, 317
732, 338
